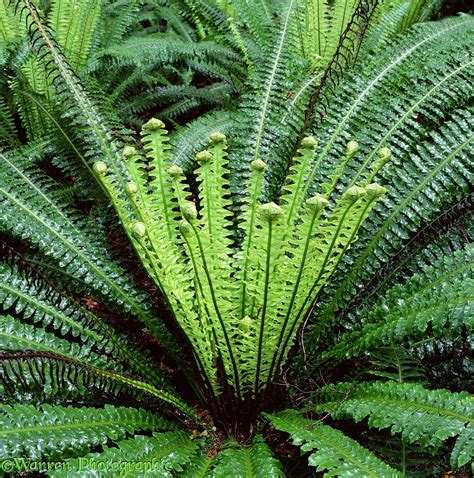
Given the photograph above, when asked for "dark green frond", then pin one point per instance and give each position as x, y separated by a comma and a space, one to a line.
428, 134
437, 302
33, 215
331, 451
17, 336
56, 431
158, 455
428, 417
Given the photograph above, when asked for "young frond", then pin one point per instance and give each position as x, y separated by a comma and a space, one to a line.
239, 305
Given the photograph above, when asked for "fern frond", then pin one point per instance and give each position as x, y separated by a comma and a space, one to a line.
199, 467
74, 25
161, 454
97, 141
162, 51
28, 370
428, 417
263, 105
439, 299
192, 138
8, 133
56, 431
41, 220
331, 451
8, 22
254, 461
420, 184
31, 295
17, 336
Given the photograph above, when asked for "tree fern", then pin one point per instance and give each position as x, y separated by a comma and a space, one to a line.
270, 250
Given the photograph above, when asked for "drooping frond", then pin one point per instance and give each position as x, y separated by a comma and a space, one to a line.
158, 455
32, 295
438, 302
17, 336
427, 417
29, 212
53, 431
29, 371
331, 451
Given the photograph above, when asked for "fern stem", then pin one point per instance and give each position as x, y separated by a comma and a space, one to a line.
201, 289
264, 307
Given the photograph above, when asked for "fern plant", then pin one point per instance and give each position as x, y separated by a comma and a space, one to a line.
272, 283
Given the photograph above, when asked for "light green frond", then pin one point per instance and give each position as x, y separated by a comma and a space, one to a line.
74, 24
254, 461
8, 22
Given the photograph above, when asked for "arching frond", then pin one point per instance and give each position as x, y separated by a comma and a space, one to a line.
428, 417
52, 431
331, 451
